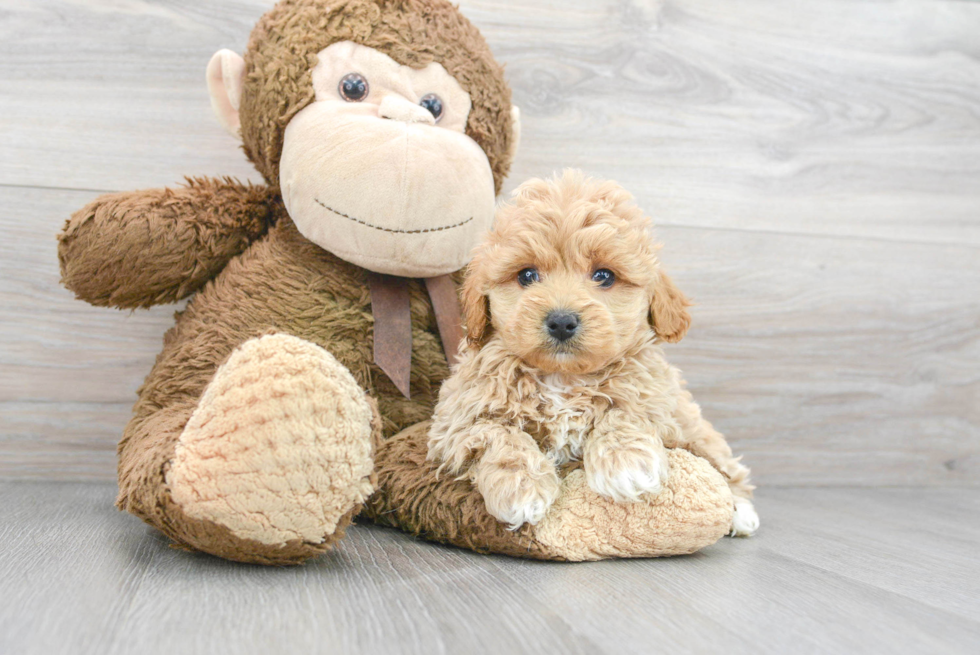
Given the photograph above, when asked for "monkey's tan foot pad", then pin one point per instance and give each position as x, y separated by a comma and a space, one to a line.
693, 510
277, 456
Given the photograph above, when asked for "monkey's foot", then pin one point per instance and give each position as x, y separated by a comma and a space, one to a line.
691, 511
277, 457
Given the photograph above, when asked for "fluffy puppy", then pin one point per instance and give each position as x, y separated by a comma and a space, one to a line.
566, 304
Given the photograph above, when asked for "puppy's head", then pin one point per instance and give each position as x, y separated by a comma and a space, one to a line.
569, 279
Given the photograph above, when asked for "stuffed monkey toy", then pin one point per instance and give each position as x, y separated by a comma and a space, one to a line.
291, 394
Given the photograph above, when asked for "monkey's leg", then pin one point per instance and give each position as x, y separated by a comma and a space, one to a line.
693, 510
268, 466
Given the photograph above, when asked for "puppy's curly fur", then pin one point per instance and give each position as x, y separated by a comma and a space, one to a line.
531, 395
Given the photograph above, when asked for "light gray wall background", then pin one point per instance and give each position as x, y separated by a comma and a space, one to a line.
813, 169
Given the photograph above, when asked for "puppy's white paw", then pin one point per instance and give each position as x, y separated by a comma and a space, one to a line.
626, 474
745, 521
515, 498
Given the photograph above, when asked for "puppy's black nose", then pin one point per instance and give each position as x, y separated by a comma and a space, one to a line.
562, 325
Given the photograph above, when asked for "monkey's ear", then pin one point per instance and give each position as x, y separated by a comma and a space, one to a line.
668, 310
226, 76
515, 131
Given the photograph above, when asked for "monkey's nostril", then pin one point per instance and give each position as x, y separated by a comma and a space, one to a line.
396, 108
562, 325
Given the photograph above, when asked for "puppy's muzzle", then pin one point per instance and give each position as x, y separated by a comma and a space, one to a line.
562, 325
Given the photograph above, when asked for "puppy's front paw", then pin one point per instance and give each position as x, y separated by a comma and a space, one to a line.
625, 473
745, 521
514, 497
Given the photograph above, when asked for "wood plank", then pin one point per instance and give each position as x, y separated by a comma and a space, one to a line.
831, 118
61, 440
830, 361
851, 534
825, 360
80, 577
115, 88
837, 117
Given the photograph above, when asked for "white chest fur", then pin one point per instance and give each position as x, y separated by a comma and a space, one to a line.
567, 415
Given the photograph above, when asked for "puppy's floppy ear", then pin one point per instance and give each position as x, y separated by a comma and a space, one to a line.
476, 304
668, 310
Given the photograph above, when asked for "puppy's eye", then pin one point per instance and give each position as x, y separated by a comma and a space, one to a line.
433, 103
527, 277
353, 87
604, 277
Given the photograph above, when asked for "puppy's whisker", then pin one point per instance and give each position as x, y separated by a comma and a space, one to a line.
563, 347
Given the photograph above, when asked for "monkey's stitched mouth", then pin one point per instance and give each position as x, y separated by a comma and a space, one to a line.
389, 229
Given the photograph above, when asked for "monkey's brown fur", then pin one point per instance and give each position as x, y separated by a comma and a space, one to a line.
252, 273
282, 52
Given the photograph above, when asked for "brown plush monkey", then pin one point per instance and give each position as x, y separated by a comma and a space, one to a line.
384, 130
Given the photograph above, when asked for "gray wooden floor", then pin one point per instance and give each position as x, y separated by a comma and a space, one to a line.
833, 570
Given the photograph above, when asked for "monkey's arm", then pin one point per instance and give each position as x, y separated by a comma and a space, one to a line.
143, 248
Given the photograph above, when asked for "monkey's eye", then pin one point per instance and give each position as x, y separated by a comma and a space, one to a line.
353, 87
604, 277
527, 277
433, 103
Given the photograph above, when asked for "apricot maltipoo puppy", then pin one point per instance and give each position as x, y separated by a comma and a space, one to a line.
566, 305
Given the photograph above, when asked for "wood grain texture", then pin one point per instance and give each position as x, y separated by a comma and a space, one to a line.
845, 570
814, 169
836, 117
